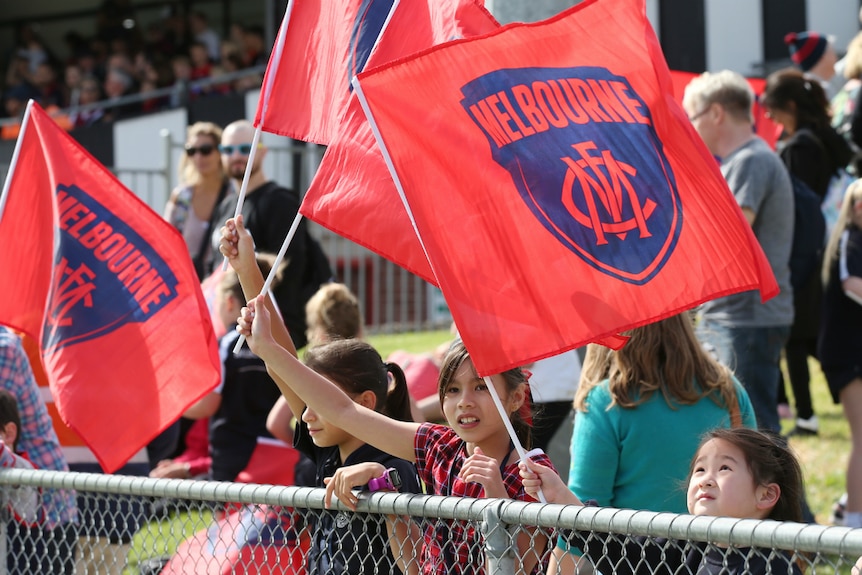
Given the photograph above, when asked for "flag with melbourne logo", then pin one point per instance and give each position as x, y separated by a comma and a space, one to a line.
325, 43
560, 192
108, 288
352, 177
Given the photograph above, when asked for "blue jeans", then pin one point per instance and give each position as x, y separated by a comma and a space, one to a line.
753, 353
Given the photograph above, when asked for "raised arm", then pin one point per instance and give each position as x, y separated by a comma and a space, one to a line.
238, 246
326, 398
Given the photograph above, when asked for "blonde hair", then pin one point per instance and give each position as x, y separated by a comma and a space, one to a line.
663, 357
845, 220
334, 310
189, 176
854, 58
728, 89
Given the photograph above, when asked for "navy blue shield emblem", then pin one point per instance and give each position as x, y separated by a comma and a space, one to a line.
582, 151
367, 25
105, 274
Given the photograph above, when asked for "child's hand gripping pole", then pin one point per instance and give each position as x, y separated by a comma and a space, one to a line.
511, 430
272, 273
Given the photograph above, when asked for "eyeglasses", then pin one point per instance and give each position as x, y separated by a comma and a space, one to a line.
243, 149
204, 150
698, 115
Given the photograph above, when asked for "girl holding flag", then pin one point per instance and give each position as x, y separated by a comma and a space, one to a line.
472, 457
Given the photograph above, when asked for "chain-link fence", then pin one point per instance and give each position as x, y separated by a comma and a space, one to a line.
148, 526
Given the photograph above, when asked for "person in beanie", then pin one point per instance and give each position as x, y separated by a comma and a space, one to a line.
815, 56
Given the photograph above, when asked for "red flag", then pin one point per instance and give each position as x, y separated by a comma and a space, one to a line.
763, 125
107, 287
560, 191
352, 177
325, 43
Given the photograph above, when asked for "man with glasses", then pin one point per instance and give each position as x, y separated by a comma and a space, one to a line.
748, 335
268, 211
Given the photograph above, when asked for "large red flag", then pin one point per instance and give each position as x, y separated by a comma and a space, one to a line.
325, 43
352, 177
560, 191
108, 288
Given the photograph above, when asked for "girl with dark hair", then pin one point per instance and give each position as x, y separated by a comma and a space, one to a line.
346, 543
354, 371
473, 456
813, 152
741, 473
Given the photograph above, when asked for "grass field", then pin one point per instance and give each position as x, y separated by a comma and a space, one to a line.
824, 458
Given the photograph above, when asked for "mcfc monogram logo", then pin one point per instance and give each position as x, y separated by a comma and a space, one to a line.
581, 149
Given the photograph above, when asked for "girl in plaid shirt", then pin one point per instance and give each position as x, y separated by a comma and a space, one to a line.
471, 457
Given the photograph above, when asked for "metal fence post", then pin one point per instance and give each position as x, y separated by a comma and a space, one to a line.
499, 558
168, 151
5, 516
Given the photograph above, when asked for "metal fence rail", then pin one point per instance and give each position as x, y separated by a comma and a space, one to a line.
140, 525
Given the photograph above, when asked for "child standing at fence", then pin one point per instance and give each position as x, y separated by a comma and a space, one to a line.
737, 472
343, 543
471, 457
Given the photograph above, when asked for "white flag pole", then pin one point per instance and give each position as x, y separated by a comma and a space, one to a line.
391, 166
7, 184
281, 253
272, 273
275, 60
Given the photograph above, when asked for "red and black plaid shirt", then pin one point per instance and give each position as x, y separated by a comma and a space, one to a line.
454, 547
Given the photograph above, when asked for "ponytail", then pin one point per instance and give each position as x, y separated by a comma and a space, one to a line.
397, 404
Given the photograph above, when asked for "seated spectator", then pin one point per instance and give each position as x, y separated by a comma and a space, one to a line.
47, 87
71, 89
16, 99
254, 47
204, 35
200, 61
118, 84
181, 66
90, 94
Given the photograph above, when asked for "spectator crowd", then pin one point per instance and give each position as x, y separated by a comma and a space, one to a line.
121, 59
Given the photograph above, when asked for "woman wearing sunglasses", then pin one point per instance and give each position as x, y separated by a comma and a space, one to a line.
203, 185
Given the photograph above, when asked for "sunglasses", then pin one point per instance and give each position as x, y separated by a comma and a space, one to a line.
243, 149
204, 150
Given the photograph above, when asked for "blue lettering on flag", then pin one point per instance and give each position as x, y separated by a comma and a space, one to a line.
105, 274
367, 25
580, 146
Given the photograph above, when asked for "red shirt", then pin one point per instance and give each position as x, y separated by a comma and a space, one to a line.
452, 547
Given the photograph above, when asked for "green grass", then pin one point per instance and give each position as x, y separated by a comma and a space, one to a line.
416, 342
823, 457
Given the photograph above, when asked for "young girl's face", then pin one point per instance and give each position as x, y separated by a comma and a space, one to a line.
469, 408
721, 484
323, 433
